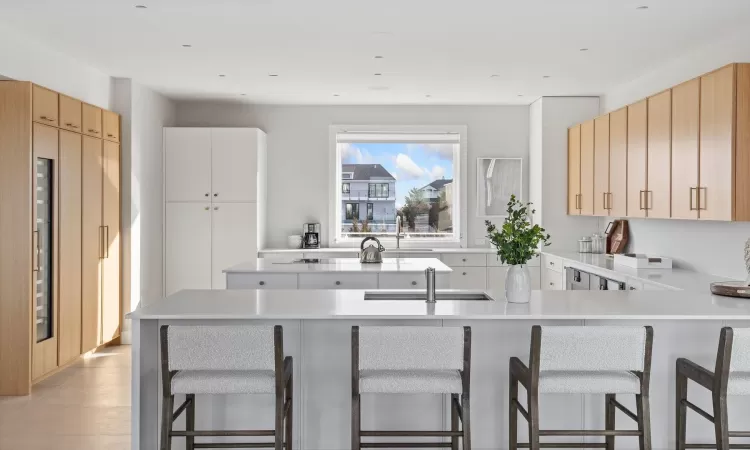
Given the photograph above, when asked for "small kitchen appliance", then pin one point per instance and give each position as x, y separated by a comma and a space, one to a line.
311, 235
371, 254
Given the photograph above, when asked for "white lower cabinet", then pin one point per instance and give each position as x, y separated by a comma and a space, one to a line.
232, 238
411, 281
262, 281
469, 278
187, 246
337, 281
552, 280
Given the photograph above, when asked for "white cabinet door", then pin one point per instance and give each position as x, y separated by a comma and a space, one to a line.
337, 281
234, 164
411, 281
474, 278
552, 280
187, 246
187, 160
454, 260
262, 281
234, 238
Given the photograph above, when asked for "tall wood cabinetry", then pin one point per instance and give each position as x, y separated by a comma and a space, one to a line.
214, 209
687, 152
44, 302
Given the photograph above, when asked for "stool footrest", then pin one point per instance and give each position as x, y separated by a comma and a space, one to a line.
404, 444
410, 433
589, 433
235, 445
565, 445
223, 433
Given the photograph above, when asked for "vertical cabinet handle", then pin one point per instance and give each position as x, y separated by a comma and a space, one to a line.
691, 198
702, 200
609, 200
106, 242
101, 242
640, 200
604, 200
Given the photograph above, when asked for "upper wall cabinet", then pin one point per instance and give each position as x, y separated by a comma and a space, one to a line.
92, 120
586, 199
70, 113
637, 157
111, 126
618, 163
45, 107
601, 166
685, 135
574, 170
212, 164
659, 156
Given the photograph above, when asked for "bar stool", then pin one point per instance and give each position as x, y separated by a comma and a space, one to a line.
584, 360
224, 360
411, 360
731, 375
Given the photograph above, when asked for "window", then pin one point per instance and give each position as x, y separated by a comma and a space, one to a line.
352, 211
379, 190
415, 173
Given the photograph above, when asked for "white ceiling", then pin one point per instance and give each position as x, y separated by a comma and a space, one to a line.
447, 49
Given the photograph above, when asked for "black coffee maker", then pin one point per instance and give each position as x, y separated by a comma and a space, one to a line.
311, 235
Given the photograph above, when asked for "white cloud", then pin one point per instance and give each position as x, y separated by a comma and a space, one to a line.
442, 151
437, 173
355, 155
407, 168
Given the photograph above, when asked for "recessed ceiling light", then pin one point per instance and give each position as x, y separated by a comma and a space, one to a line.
378, 57
141, 6
642, 7
378, 74
545, 76
335, 95
243, 95
428, 96
520, 95
186, 45
273, 74
584, 50
495, 75
221, 75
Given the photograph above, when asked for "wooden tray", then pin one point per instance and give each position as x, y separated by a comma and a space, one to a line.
731, 289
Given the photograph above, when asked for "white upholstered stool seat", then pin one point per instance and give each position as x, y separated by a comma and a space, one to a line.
410, 381
224, 382
575, 382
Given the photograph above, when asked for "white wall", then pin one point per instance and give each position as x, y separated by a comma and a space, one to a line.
710, 247
298, 149
21, 58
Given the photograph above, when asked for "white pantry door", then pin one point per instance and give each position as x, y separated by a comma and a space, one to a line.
234, 164
187, 154
234, 237
188, 246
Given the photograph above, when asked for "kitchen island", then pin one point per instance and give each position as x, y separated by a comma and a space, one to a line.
336, 273
317, 326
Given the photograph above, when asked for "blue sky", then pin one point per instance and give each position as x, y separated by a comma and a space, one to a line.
413, 165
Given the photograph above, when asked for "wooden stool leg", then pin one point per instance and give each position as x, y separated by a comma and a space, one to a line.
190, 422
609, 421
466, 419
720, 422
167, 409
513, 415
454, 420
290, 413
681, 410
644, 421
533, 410
356, 422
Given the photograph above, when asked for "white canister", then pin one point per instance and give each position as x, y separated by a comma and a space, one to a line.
294, 241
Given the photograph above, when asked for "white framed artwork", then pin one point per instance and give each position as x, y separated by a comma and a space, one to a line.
497, 180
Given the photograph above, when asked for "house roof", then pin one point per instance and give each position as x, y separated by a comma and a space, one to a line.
439, 184
367, 171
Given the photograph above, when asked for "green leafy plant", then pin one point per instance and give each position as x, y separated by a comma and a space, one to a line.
517, 241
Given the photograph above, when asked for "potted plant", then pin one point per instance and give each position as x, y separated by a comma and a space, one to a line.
516, 242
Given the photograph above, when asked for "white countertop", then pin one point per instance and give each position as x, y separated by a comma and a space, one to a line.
345, 304
342, 265
482, 250
603, 265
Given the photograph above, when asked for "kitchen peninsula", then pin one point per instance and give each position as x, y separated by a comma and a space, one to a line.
317, 327
336, 273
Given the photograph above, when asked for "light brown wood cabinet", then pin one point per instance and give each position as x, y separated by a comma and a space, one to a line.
92, 120
657, 199
618, 163
637, 159
574, 170
111, 126
70, 113
55, 302
685, 135
586, 198
601, 166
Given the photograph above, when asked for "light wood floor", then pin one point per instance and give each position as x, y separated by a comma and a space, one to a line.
84, 407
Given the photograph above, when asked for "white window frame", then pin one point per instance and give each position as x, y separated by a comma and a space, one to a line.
460, 178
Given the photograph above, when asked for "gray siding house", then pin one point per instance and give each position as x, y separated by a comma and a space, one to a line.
368, 192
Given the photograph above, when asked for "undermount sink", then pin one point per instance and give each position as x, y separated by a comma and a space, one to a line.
478, 296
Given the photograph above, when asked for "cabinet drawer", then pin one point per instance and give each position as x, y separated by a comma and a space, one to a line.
469, 278
465, 259
552, 280
92, 120
411, 281
412, 255
111, 126
45, 106
261, 281
70, 114
552, 263
338, 281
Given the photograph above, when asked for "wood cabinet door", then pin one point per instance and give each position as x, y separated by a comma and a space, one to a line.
618, 163
233, 238
188, 164
111, 125
111, 286
601, 166
70, 113
92, 120
45, 298
69, 319
234, 164
574, 170
659, 156
92, 242
637, 151
716, 178
45, 104
188, 246
685, 133
586, 199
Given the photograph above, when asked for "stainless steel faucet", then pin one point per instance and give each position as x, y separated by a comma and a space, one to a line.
398, 231
430, 275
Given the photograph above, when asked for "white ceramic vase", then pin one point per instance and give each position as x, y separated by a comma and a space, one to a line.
518, 284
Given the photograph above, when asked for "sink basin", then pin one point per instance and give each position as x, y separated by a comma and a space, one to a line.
479, 296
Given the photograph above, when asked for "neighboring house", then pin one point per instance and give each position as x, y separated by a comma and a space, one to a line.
432, 191
368, 192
